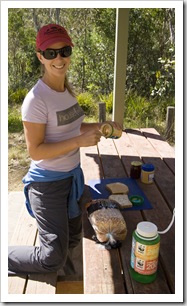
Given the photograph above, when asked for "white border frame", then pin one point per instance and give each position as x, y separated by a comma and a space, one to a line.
116, 298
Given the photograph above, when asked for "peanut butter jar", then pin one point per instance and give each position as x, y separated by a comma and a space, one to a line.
109, 131
147, 173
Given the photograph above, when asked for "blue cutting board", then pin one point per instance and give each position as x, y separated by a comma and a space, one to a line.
99, 191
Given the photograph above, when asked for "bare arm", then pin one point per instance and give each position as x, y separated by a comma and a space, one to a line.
85, 127
35, 135
88, 126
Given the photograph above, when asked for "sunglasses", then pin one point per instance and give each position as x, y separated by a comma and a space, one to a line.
52, 53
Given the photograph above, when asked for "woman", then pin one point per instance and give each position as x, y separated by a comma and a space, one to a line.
54, 133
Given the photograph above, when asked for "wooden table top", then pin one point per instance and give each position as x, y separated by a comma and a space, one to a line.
112, 159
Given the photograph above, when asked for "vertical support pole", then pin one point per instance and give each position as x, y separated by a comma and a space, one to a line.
102, 111
121, 46
170, 119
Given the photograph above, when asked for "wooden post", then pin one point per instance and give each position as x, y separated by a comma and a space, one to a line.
102, 111
121, 46
170, 119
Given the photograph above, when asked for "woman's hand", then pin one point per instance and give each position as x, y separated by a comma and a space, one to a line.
38, 149
89, 138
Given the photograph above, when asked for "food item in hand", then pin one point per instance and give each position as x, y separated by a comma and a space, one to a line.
107, 221
122, 200
110, 131
117, 188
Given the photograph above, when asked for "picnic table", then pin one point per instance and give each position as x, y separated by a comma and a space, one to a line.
107, 271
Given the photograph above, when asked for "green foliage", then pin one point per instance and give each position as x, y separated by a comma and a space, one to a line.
87, 103
151, 48
165, 78
150, 75
17, 97
151, 37
143, 112
136, 107
108, 100
14, 120
23, 66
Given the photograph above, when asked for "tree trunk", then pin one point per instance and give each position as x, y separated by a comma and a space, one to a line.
58, 15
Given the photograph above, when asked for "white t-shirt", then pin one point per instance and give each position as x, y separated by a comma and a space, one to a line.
63, 117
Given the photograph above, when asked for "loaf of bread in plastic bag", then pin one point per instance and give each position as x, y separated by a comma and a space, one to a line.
107, 221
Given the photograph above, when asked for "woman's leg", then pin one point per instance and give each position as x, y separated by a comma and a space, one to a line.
75, 235
49, 205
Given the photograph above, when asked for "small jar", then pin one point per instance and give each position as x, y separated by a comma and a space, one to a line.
135, 171
145, 252
147, 173
109, 131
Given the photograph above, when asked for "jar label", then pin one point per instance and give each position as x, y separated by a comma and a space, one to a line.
148, 252
145, 267
151, 177
144, 258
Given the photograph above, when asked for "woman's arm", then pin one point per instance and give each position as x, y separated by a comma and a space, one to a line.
88, 126
35, 135
85, 127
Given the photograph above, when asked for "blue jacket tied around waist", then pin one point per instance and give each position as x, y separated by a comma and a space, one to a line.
36, 174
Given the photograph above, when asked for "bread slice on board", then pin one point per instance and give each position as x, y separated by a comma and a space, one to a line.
122, 200
117, 188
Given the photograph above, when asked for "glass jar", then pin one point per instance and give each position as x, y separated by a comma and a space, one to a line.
135, 171
109, 131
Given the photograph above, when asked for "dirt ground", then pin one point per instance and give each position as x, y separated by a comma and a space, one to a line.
18, 161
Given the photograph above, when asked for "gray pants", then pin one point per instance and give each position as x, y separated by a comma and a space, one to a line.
57, 233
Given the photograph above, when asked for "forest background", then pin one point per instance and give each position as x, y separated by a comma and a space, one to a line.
150, 75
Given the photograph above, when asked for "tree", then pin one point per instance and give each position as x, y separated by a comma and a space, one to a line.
151, 49
151, 38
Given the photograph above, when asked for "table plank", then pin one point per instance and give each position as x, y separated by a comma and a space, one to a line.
141, 144
157, 141
112, 166
164, 179
166, 151
102, 269
41, 283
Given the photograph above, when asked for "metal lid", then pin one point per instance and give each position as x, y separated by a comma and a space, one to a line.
136, 163
147, 229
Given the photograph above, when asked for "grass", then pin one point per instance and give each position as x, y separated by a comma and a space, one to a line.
14, 119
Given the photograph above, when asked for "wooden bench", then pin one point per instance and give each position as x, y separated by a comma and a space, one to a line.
25, 233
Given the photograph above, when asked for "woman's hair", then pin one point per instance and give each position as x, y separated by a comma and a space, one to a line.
69, 87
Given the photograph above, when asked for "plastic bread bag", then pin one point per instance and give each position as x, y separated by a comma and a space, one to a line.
107, 221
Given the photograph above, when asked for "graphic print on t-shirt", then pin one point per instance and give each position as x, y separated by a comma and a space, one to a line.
69, 115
